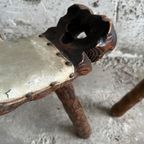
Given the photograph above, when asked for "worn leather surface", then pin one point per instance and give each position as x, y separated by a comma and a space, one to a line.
28, 65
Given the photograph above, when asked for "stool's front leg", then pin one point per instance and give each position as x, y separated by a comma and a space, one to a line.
129, 100
74, 109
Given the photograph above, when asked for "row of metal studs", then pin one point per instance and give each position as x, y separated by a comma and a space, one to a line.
68, 63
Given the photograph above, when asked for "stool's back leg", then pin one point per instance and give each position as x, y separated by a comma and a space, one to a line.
129, 100
74, 109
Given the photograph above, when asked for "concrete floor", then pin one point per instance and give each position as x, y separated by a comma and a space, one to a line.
44, 121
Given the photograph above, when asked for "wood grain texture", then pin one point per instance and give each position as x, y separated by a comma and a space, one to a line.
129, 100
74, 110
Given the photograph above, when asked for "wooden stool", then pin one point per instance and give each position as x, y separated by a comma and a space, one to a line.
31, 68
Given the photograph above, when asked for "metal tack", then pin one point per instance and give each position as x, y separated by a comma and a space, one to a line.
49, 44
59, 54
71, 75
68, 63
53, 84
29, 96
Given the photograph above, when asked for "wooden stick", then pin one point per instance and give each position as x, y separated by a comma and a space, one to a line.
129, 100
74, 110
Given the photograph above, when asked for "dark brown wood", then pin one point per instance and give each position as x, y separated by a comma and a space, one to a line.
74, 110
100, 34
129, 100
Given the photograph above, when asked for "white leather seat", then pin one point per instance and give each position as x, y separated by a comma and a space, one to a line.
29, 65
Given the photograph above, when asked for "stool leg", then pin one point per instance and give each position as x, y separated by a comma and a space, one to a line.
74, 110
129, 100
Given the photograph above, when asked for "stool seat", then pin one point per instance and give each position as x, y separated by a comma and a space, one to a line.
30, 65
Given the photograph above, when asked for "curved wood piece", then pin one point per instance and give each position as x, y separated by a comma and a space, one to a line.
74, 110
84, 67
129, 100
100, 36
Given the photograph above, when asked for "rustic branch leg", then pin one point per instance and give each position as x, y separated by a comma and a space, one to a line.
129, 100
74, 109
